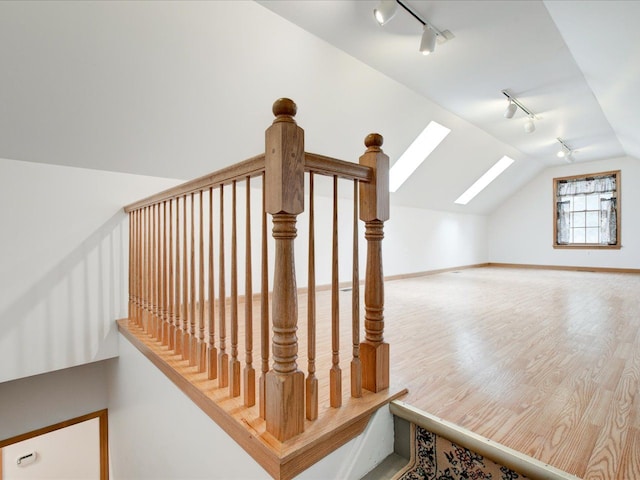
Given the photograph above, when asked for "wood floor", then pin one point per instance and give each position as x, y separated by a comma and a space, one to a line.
545, 362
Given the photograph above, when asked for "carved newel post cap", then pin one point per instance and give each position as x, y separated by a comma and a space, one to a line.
373, 141
284, 109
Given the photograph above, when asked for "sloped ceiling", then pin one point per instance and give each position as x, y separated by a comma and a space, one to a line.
179, 89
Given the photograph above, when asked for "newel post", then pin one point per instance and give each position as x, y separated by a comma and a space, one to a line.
374, 210
284, 187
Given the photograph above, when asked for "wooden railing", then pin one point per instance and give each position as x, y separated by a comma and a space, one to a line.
179, 255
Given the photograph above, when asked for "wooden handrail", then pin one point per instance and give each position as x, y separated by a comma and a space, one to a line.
251, 167
254, 167
332, 166
176, 234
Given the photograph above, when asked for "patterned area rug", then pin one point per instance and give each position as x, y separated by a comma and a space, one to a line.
436, 458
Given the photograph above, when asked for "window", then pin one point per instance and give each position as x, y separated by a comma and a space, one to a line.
587, 211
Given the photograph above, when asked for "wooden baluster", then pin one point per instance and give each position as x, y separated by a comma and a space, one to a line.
140, 266
192, 288
143, 267
155, 276
284, 175
202, 346
152, 270
335, 374
131, 261
223, 357
249, 371
356, 365
171, 315
178, 283
149, 276
159, 275
264, 306
234, 364
374, 210
139, 241
165, 272
212, 351
312, 380
185, 284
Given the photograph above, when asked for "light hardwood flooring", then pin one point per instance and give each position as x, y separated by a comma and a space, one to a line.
545, 362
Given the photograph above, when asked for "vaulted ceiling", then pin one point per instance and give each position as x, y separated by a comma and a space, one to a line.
179, 89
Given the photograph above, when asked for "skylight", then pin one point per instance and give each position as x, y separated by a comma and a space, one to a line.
418, 151
480, 184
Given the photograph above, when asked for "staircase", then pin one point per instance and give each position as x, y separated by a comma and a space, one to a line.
430, 448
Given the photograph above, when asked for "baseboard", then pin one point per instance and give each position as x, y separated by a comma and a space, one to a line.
403, 276
564, 267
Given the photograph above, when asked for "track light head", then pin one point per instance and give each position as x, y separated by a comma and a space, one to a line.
565, 152
529, 126
428, 42
511, 110
385, 11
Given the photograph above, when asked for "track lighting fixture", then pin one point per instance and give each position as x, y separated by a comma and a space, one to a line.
511, 110
514, 104
385, 11
565, 152
428, 42
529, 126
430, 34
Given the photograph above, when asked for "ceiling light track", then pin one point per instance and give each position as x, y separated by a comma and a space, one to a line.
513, 100
514, 104
430, 34
565, 151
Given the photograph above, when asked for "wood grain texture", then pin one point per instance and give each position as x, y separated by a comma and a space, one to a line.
264, 307
223, 357
311, 385
185, 348
253, 166
177, 284
234, 363
545, 362
171, 314
202, 350
192, 344
356, 364
212, 351
249, 375
335, 374
284, 200
328, 166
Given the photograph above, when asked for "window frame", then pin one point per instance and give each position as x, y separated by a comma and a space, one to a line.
618, 196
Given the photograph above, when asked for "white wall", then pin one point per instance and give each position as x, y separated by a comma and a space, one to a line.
157, 432
31, 403
63, 270
69, 453
418, 240
521, 231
